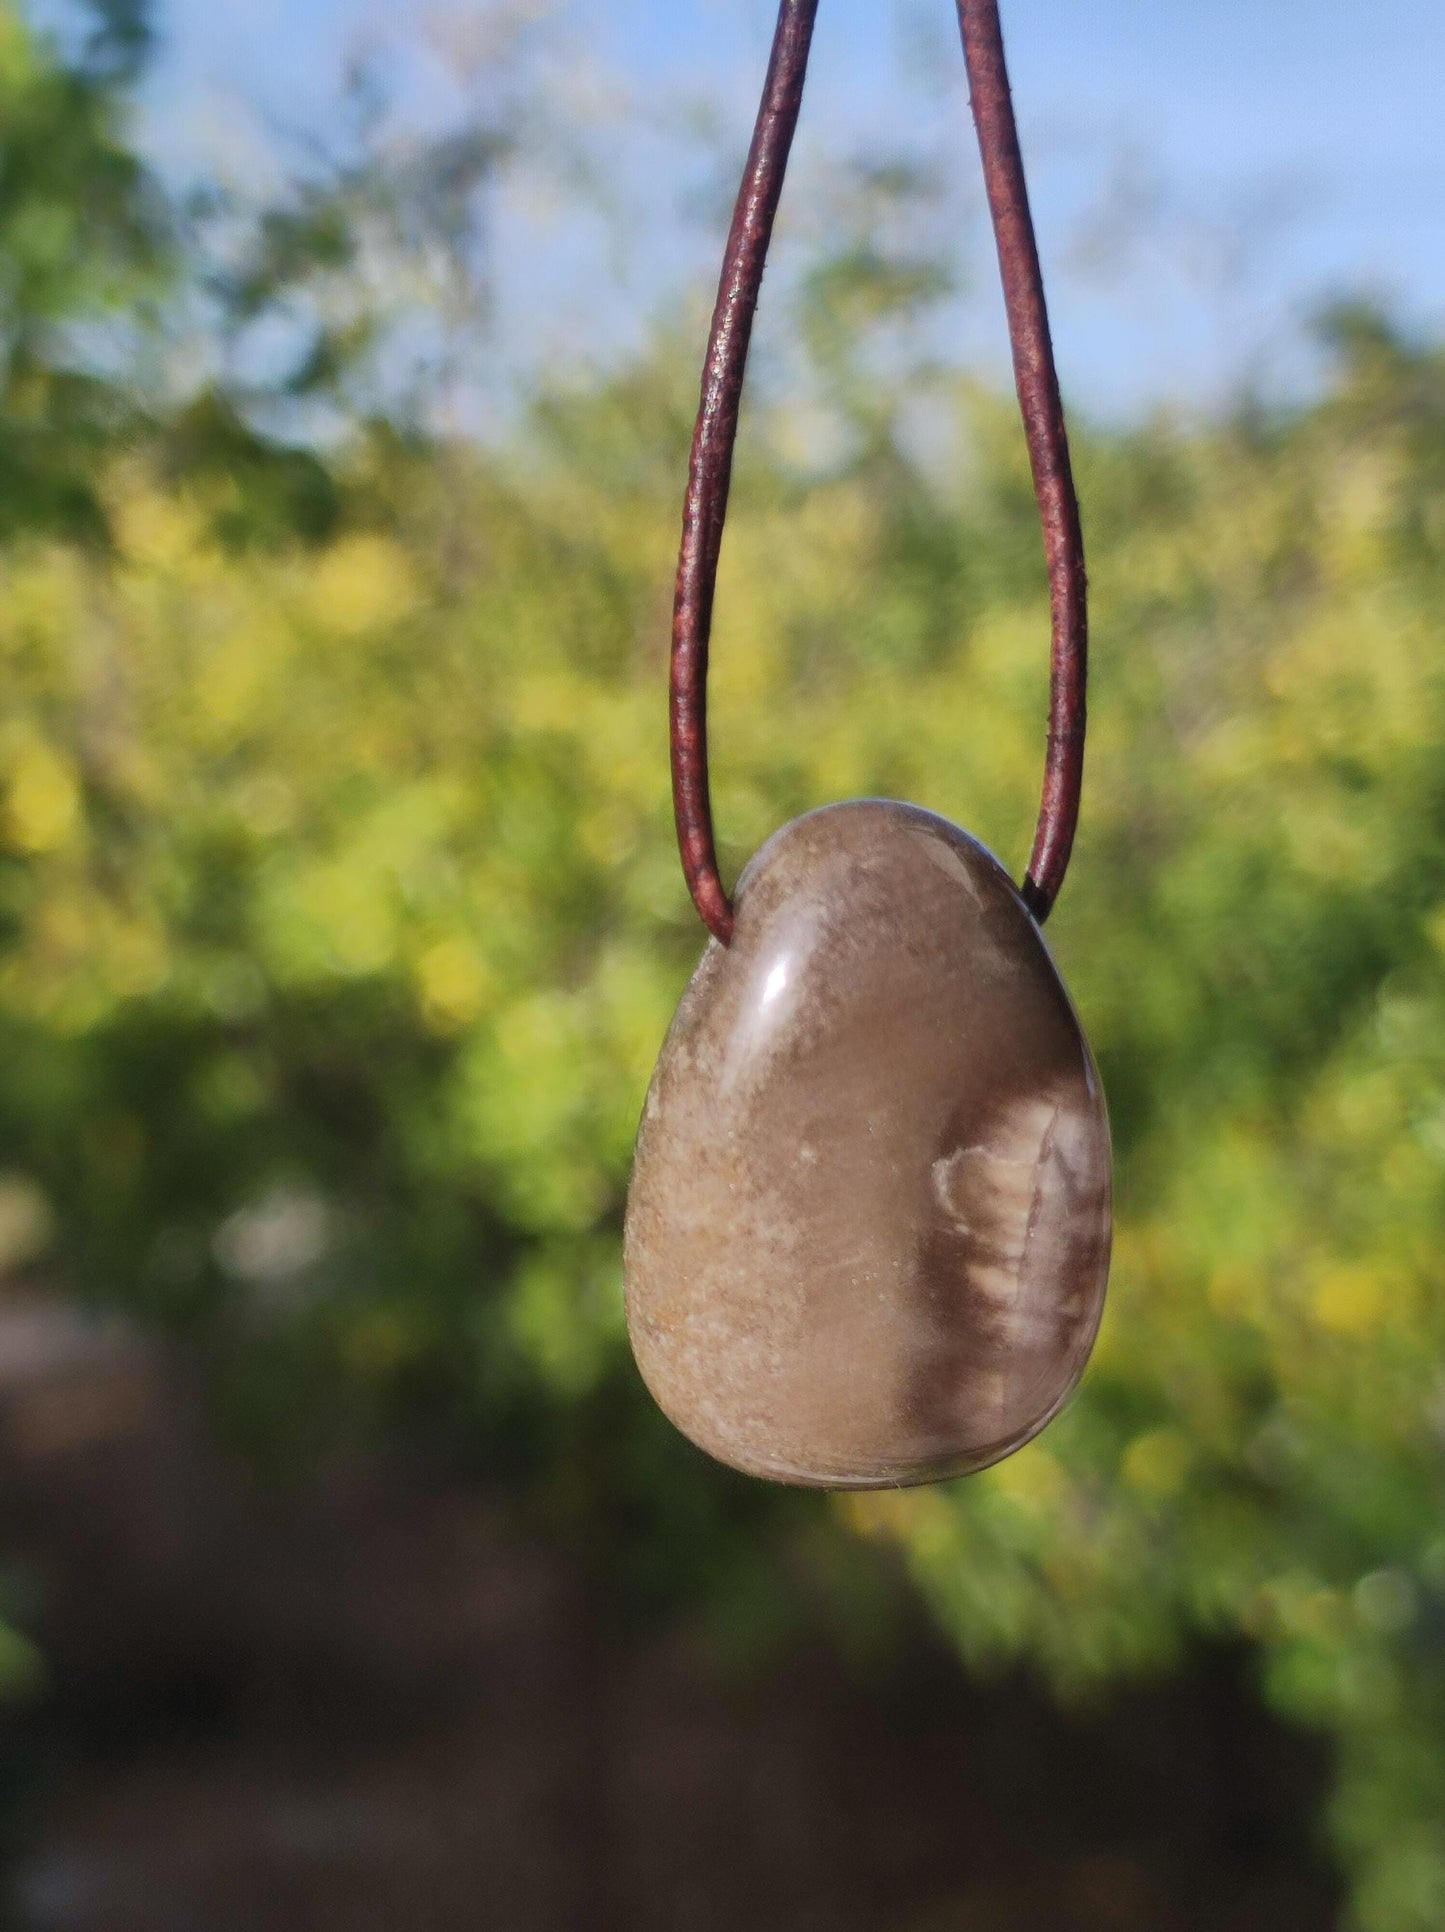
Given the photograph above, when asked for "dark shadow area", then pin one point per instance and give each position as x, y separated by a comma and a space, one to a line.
374, 1703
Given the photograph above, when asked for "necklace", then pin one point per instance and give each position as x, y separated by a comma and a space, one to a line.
868, 1229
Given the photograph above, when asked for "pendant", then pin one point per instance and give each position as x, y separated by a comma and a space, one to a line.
868, 1229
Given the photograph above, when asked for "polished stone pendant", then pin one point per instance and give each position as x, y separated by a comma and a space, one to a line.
869, 1222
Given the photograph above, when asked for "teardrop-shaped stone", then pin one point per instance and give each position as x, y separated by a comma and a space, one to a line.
869, 1222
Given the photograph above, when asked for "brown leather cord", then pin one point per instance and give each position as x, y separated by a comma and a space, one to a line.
710, 472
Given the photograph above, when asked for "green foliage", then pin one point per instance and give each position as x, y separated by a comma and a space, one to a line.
341, 923
82, 244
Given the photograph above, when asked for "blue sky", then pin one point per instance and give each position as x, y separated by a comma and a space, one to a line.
1266, 154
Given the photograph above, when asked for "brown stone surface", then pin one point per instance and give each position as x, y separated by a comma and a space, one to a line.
868, 1229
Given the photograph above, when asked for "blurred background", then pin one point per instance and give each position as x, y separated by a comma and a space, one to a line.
347, 367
